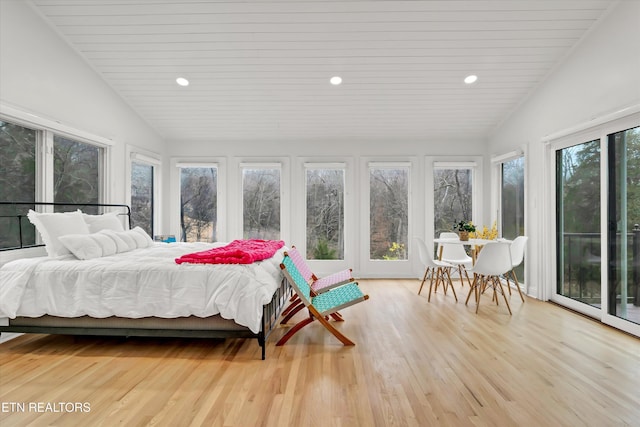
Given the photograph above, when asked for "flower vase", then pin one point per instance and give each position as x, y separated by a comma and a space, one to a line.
464, 235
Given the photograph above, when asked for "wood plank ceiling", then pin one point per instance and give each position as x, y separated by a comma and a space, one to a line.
260, 70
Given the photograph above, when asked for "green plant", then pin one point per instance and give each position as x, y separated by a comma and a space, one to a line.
322, 251
464, 226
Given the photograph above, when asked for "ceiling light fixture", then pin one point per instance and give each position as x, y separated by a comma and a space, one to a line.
336, 80
470, 79
182, 81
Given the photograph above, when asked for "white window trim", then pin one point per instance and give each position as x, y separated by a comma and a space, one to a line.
383, 268
475, 164
220, 163
139, 155
298, 222
496, 203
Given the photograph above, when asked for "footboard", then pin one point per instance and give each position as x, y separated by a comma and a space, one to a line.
271, 312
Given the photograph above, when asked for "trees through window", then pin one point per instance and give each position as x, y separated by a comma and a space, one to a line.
261, 203
325, 213
199, 204
388, 212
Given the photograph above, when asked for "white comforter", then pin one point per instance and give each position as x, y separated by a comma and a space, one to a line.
141, 283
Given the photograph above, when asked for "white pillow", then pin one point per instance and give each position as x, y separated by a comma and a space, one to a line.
128, 239
107, 221
143, 240
81, 245
53, 225
107, 244
121, 245
89, 246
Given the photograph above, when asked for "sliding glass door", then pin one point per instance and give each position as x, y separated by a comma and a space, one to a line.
623, 244
597, 225
578, 222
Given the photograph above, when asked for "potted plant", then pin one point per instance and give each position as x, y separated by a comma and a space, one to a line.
464, 228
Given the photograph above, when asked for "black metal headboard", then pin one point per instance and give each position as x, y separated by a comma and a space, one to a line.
16, 232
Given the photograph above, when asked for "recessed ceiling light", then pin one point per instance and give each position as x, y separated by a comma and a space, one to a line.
182, 81
470, 79
336, 80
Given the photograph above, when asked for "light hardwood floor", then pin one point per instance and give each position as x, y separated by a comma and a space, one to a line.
415, 364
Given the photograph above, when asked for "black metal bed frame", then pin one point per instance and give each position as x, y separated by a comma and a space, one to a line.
270, 311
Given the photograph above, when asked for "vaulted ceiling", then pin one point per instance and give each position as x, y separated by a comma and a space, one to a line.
260, 70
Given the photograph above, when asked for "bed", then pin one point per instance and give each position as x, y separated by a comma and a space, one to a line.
136, 292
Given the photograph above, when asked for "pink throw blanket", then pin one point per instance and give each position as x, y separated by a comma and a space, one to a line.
236, 252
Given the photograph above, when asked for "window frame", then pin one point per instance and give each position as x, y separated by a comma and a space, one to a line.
149, 158
282, 164
496, 197
388, 268
44, 174
598, 129
299, 222
222, 204
475, 163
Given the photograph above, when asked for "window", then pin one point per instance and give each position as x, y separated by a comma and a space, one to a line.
198, 203
453, 195
325, 212
512, 203
17, 180
44, 161
142, 180
76, 172
623, 205
261, 202
578, 222
388, 212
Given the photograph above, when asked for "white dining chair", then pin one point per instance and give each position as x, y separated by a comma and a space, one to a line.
456, 255
517, 256
493, 261
440, 270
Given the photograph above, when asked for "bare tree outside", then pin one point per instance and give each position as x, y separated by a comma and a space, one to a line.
76, 175
325, 213
261, 203
388, 213
452, 198
142, 196
17, 181
199, 204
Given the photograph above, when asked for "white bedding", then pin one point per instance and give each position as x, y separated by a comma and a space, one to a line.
141, 283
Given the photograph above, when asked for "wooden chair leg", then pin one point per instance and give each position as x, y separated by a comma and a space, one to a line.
515, 279
453, 289
424, 278
335, 332
292, 313
431, 284
337, 317
478, 293
296, 328
472, 288
505, 297
291, 306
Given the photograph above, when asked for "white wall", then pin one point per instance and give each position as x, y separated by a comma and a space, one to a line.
601, 76
40, 74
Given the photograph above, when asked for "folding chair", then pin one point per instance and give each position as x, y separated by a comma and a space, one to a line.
322, 305
318, 285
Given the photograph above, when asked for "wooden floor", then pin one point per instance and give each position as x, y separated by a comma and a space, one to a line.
415, 364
